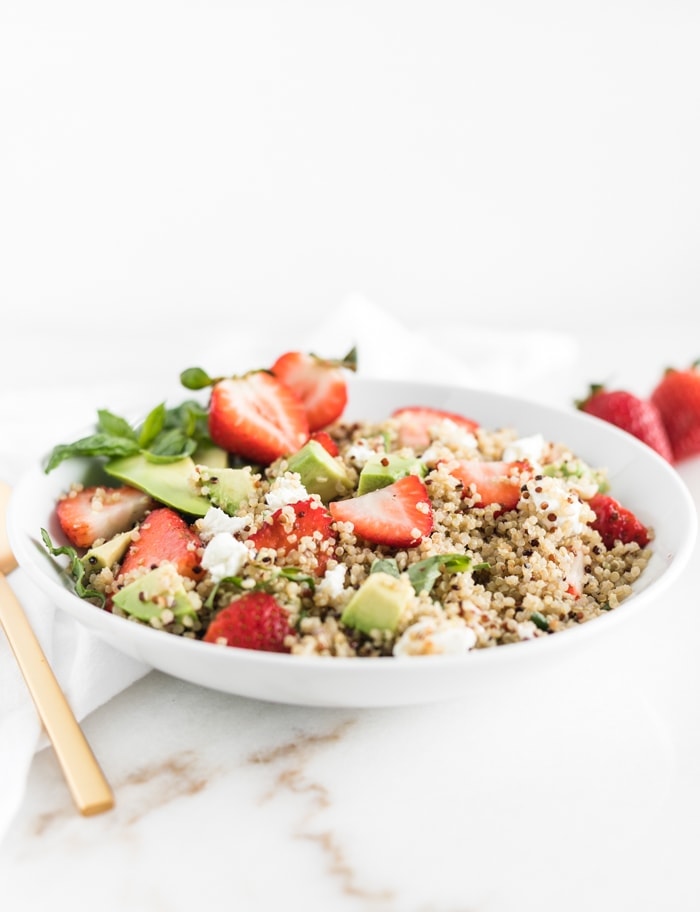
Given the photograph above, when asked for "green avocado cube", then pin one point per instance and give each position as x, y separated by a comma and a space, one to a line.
378, 604
149, 595
226, 488
385, 468
106, 554
319, 472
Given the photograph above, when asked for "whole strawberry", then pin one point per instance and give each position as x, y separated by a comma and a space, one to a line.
677, 398
255, 620
639, 417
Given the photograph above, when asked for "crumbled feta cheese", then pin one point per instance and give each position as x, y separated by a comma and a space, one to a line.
584, 487
434, 637
287, 489
530, 448
450, 434
224, 556
215, 521
527, 630
359, 453
332, 582
557, 505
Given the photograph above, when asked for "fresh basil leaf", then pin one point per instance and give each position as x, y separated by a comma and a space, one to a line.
76, 569
230, 580
169, 446
385, 565
95, 445
297, 576
152, 426
191, 417
195, 378
114, 425
424, 574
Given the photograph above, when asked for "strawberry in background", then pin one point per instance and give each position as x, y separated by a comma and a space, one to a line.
677, 399
639, 417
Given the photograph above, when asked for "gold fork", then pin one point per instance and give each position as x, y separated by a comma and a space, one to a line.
89, 788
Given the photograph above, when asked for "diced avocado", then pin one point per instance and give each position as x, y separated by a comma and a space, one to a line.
149, 595
210, 455
226, 488
107, 554
386, 468
378, 604
170, 483
320, 472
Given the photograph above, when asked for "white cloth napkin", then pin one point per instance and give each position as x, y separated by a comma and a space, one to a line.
90, 671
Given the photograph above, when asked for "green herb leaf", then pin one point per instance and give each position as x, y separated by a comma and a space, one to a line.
386, 565
539, 620
152, 426
192, 419
170, 445
76, 569
298, 576
236, 581
95, 445
194, 378
426, 573
114, 425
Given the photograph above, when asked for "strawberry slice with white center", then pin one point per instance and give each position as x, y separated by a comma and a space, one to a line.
287, 526
415, 422
496, 482
97, 512
257, 416
399, 515
165, 536
318, 382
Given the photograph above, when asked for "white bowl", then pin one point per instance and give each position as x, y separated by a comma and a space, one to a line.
639, 478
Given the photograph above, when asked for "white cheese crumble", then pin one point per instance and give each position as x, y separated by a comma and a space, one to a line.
451, 434
557, 505
359, 454
530, 448
433, 637
332, 582
216, 521
287, 489
224, 556
527, 630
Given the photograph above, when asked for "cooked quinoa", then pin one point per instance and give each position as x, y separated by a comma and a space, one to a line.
535, 569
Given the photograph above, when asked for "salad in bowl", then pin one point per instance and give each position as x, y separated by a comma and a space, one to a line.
299, 512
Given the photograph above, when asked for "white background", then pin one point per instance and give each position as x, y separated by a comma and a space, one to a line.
171, 169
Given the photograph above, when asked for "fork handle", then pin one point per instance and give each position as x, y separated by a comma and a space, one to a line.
86, 782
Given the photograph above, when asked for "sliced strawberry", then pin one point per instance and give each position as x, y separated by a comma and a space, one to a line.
677, 397
639, 417
165, 536
319, 383
255, 620
257, 416
493, 482
398, 515
415, 422
616, 523
284, 534
97, 512
326, 441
